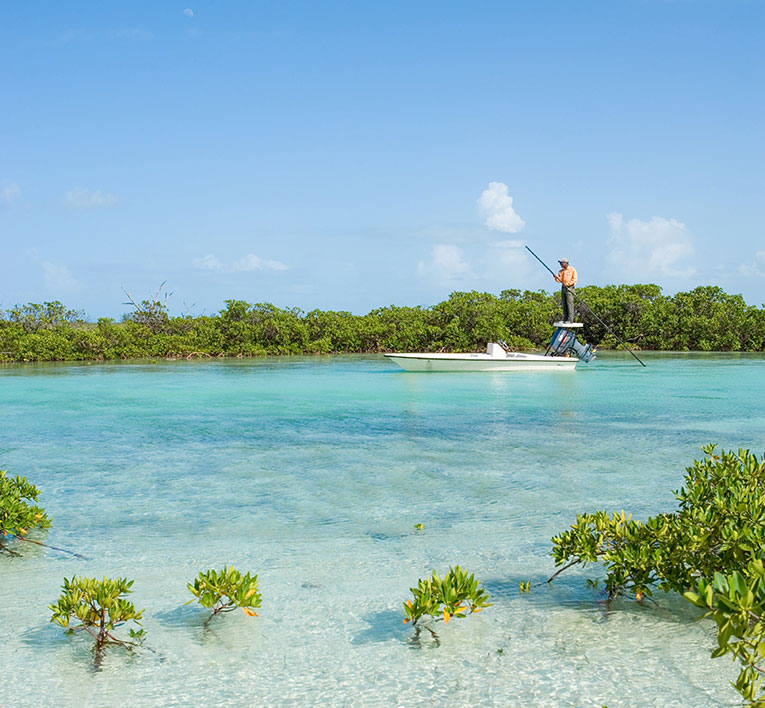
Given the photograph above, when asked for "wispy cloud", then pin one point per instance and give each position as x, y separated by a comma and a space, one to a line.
755, 268
58, 276
208, 262
659, 246
496, 207
9, 192
82, 198
247, 263
447, 265
253, 262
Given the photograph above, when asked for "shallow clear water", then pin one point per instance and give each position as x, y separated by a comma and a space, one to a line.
311, 472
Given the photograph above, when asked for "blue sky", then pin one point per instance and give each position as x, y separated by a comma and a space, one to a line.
350, 155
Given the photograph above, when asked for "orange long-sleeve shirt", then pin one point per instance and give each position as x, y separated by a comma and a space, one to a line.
567, 276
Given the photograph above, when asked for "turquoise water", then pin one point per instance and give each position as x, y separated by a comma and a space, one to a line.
311, 472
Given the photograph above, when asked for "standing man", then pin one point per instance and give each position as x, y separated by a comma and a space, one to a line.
567, 278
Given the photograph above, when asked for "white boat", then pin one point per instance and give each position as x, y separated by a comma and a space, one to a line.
563, 354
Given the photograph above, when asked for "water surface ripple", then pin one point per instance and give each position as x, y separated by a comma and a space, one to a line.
312, 472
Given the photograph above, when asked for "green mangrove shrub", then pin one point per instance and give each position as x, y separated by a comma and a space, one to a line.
714, 542
719, 526
225, 590
99, 606
18, 512
455, 595
705, 318
736, 602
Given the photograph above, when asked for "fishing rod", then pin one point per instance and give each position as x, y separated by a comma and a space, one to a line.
578, 299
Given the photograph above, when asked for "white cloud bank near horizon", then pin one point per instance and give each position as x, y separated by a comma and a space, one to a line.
83, 198
496, 207
248, 263
659, 246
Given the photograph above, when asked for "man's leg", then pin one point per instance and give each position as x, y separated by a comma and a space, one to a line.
564, 302
568, 304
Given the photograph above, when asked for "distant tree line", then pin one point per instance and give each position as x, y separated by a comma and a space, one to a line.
704, 319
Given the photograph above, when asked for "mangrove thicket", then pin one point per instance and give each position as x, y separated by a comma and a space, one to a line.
704, 319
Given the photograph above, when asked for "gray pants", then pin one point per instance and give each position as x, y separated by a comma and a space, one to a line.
567, 297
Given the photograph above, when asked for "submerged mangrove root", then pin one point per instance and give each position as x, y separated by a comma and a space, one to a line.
54, 548
9, 551
417, 630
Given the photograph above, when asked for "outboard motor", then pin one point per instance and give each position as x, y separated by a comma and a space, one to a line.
564, 342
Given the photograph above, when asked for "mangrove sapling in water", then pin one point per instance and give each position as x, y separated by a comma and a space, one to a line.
100, 607
17, 515
714, 542
455, 595
225, 590
719, 526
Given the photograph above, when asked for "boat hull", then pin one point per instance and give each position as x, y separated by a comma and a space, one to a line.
514, 361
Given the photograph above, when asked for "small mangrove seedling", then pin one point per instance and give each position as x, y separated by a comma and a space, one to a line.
524, 586
455, 595
100, 607
17, 515
419, 527
225, 590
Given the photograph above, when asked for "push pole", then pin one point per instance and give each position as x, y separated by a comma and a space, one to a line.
578, 299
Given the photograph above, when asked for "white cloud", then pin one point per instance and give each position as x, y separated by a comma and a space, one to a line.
757, 268
188, 12
497, 207
82, 198
9, 192
276, 265
248, 263
253, 262
58, 276
208, 262
447, 265
641, 249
